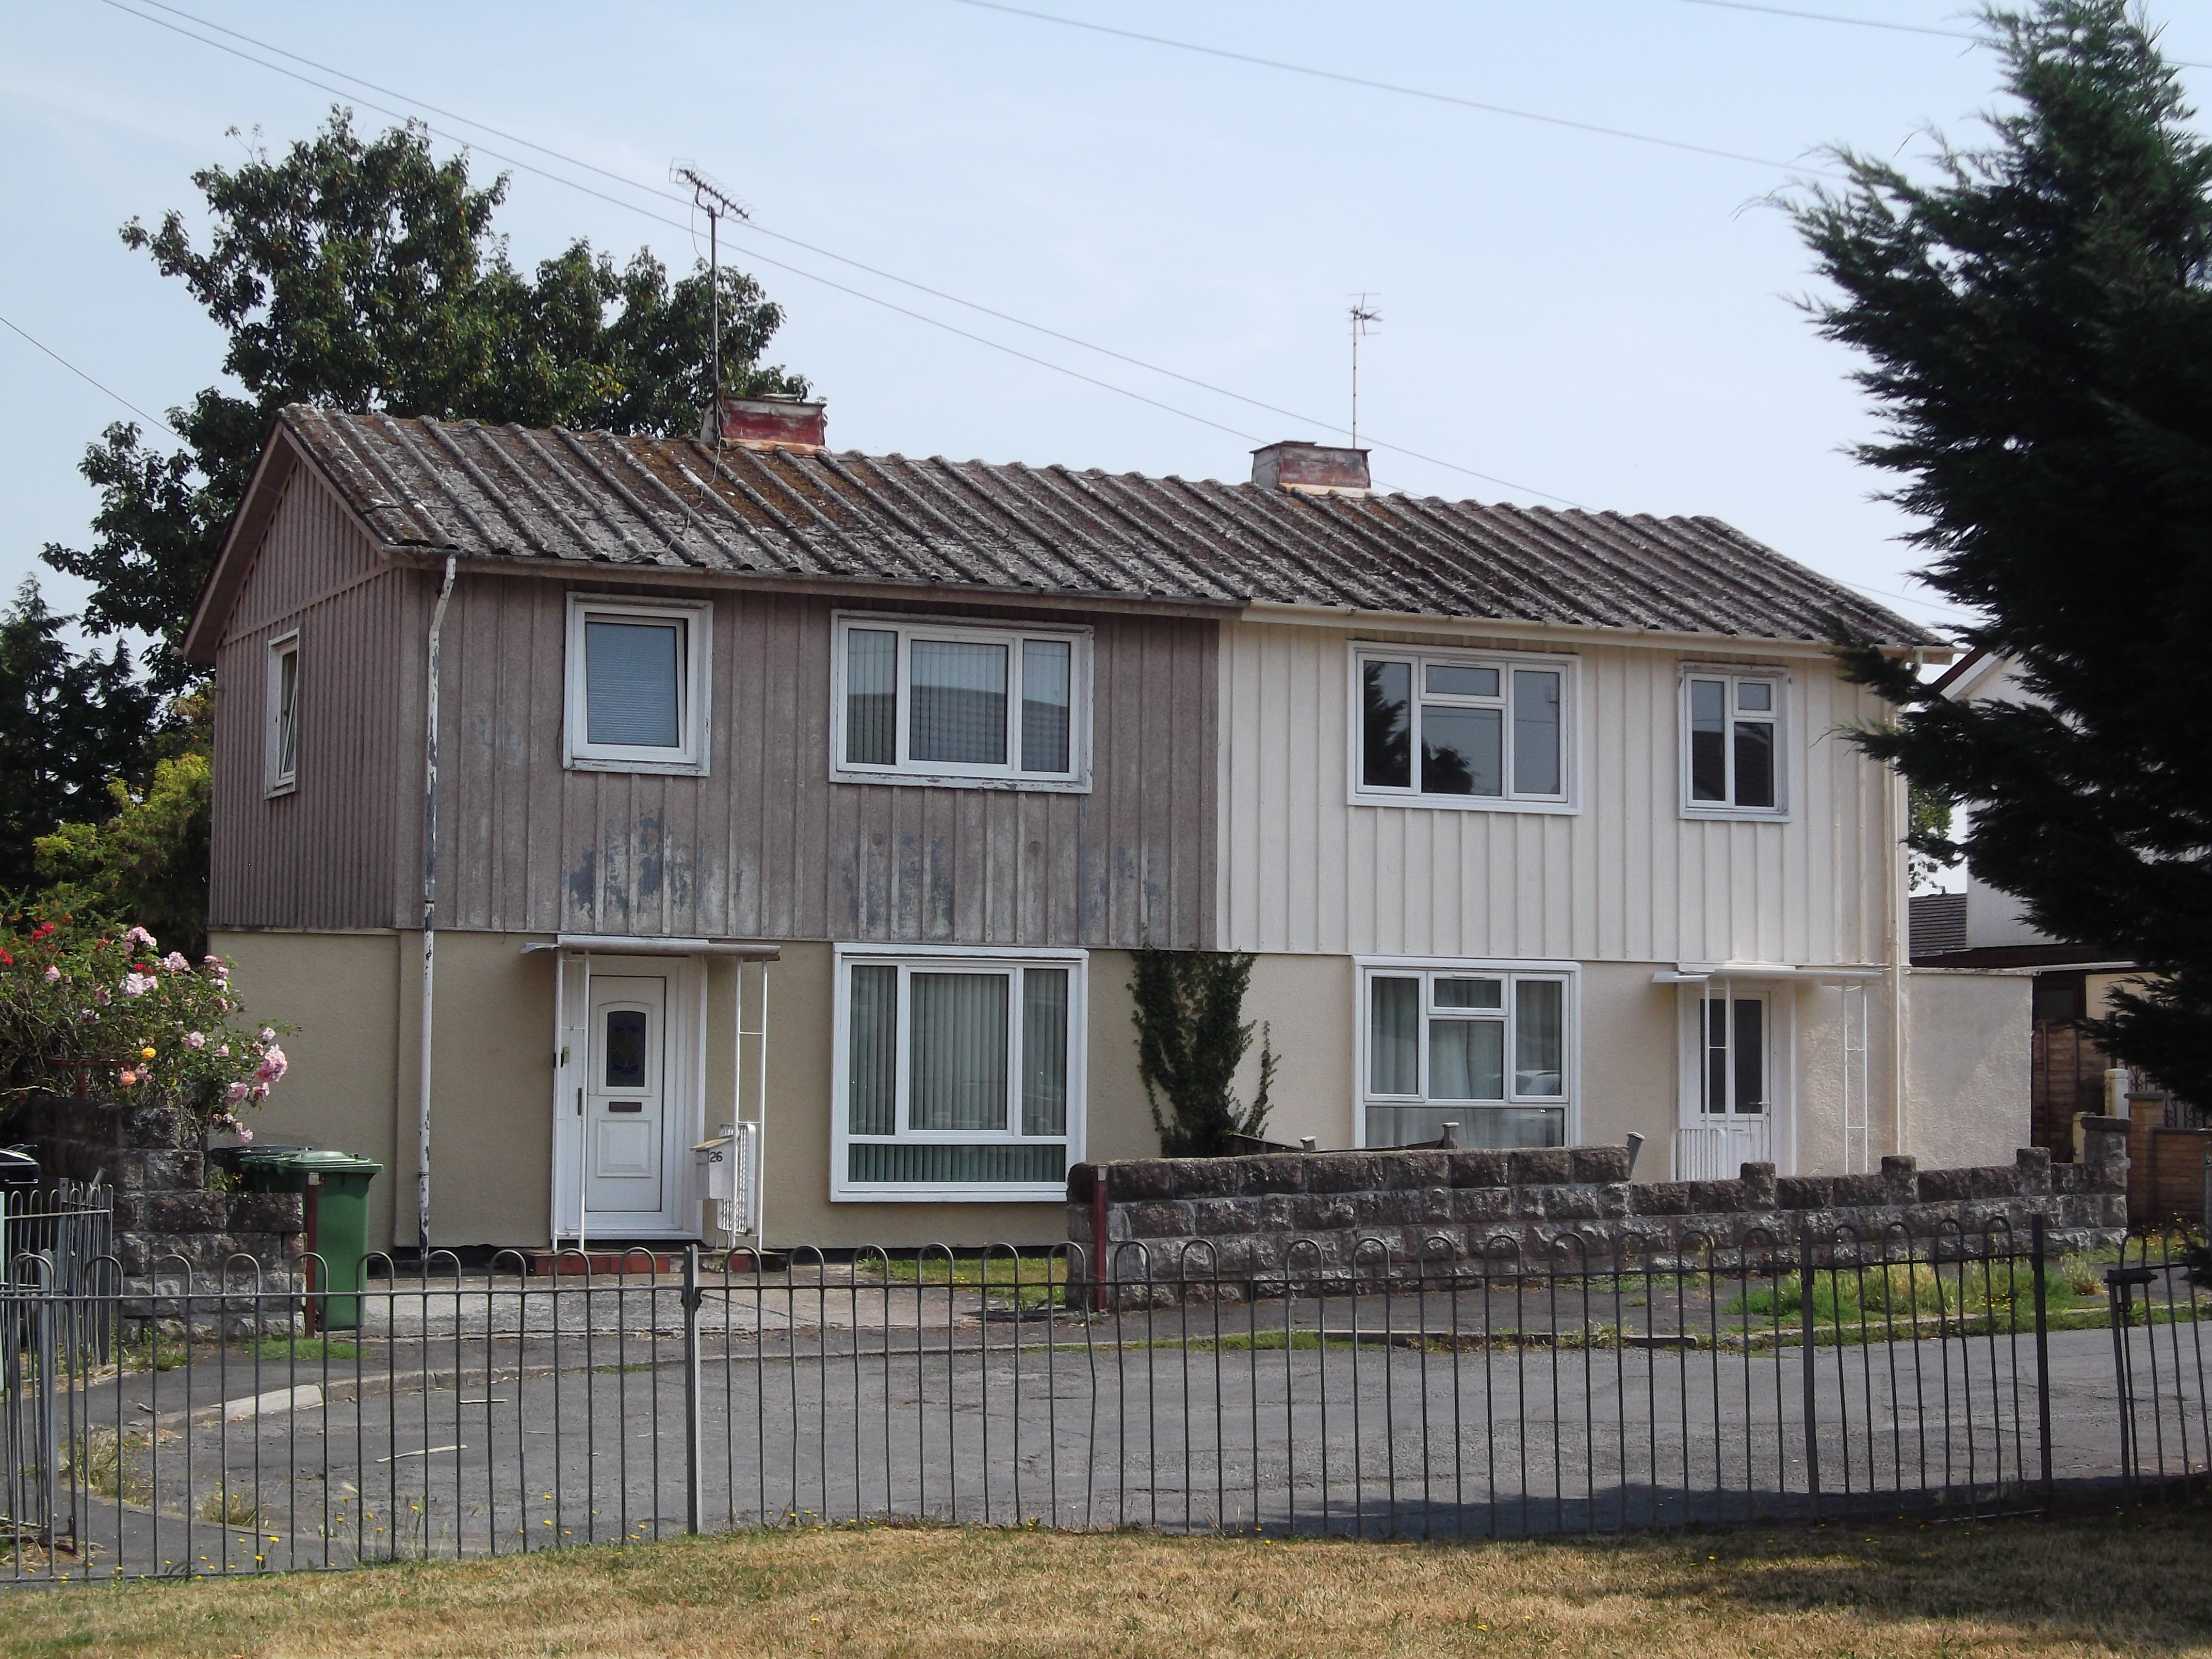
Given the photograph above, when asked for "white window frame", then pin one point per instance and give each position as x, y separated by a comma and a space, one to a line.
1362, 793
954, 958
1734, 675
1429, 969
944, 773
696, 693
279, 779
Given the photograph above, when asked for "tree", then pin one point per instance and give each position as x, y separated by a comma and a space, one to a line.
2037, 322
68, 724
363, 275
1191, 1037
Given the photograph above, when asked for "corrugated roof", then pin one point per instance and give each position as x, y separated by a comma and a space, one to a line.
592, 498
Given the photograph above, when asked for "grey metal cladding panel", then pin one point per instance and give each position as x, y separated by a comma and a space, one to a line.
315, 857
766, 846
591, 498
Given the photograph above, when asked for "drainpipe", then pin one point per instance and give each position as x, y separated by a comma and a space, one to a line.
1898, 946
430, 923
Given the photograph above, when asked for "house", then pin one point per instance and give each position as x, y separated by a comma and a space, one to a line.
1981, 929
825, 795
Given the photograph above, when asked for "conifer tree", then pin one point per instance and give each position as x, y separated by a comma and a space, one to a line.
1191, 1037
2036, 323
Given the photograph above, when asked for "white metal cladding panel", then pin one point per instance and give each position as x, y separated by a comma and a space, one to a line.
765, 846
1626, 878
326, 854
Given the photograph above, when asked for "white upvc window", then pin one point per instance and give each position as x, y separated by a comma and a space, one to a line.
958, 1073
283, 745
637, 686
979, 705
1473, 730
1734, 743
1491, 1046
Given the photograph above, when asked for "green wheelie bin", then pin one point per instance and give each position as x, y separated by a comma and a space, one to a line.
336, 1188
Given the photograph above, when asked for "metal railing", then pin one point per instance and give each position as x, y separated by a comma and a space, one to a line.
1404, 1393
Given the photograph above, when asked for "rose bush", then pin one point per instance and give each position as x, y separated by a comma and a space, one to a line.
162, 1030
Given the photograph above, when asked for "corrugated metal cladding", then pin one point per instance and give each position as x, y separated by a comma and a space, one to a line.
590, 498
767, 847
331, 854
1624, 878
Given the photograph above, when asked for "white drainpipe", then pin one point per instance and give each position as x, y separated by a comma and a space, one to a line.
429, 922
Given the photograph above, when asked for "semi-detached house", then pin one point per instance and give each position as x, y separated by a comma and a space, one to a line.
829, 793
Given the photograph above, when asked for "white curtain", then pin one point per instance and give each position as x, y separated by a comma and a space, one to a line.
1394, 1036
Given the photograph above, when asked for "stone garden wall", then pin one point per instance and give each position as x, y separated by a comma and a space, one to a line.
1346, 1214
167, 1224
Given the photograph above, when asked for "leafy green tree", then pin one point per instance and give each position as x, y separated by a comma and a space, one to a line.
68, 724
1188, 1006
2036, 320
363, 274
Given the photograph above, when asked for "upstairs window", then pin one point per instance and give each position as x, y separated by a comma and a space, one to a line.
283, 739
1459, 731
918, 702
1733, 732
637, 686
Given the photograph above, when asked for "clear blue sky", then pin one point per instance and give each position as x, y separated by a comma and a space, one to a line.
1601, 320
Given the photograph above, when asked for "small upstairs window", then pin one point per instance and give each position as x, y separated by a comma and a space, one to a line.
1458, 731
1733, 744
637, 686
283, 739
920, 702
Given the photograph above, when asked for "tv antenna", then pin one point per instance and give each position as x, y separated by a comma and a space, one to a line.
1363, 317
711, 200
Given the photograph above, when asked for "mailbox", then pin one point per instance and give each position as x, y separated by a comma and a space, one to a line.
729, 1177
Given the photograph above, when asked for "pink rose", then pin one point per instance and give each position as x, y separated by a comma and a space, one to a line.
140, 936
237, 1092
261, 1091
245, 1134
223, 1051
273, 1066
195, 1040
268, 1035
53, 972
137, 985
175, 963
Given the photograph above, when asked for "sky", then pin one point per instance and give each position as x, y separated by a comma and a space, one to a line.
1569, 317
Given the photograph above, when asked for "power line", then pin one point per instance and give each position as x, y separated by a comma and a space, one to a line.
87, 378
754, 227
1402, 91
1875, 23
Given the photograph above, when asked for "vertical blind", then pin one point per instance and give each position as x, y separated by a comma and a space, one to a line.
1046, 684
871, 698
956, 1058
632, 685
871, 1055
959, 703
1044, 1051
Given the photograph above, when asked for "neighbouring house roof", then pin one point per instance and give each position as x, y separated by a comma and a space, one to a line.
609, 503
1938, 923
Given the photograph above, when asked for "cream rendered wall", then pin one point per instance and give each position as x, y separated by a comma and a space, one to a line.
1966, 1059
342, 992
1624, 878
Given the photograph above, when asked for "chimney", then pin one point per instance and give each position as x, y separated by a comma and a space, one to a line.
1320, 468
771, 421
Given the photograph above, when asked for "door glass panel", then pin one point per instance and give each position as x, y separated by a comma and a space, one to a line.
1750, 1036
1754, 762
625, 1048
959, 703
630, 685
1462, 750
871, 698
1394, 1058
1536, 733
1386, 755
956, 1069
1045, 666
871, 1054
1539, 1037
1708, 740
1044, 1051
1717, 1049
1466, 1059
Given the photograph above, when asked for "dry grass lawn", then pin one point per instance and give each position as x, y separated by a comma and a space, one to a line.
2134, 1583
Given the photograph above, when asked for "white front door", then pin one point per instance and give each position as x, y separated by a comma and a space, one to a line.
626, 1099
1728, 1109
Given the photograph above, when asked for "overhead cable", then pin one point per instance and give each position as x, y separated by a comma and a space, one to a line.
110, 390
1876, 23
